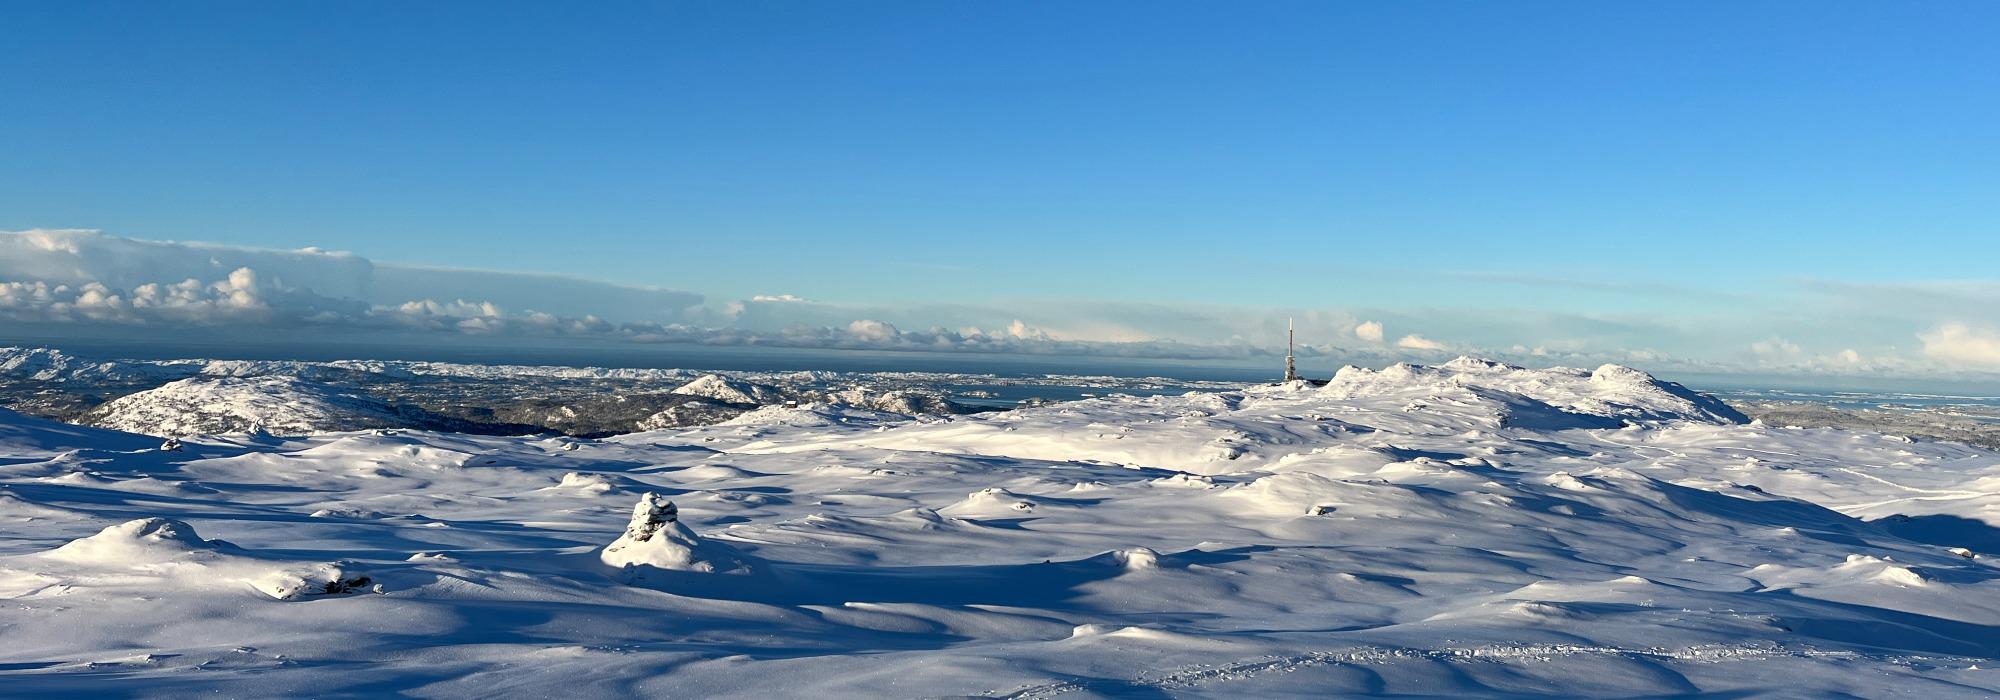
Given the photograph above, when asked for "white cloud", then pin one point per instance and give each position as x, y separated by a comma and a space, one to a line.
1418, 342
1021, 330
1370, 331
872, 330
456, 309
1017, 330
778, 299
1962, 344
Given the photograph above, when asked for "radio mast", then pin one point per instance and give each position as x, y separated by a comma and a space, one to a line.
1291, 370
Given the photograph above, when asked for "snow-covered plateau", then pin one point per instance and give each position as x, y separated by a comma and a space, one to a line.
1467, 529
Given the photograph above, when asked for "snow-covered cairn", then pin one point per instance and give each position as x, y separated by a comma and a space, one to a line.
657, 538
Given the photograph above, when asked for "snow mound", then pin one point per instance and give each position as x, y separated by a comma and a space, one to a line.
991, 503
656, 538
231, 405
143, 541
730, 390
1137, 559
1289, 493
1184, 480
154, 554
586, 483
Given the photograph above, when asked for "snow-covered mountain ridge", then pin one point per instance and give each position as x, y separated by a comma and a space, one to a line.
513, 399
278, 405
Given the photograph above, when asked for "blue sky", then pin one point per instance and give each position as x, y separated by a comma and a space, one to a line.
1719, 173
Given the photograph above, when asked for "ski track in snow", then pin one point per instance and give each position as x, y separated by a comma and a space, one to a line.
1467, 529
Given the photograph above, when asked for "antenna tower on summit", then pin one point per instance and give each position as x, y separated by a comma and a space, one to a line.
1291, 370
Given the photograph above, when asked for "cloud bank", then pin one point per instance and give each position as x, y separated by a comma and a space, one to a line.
80, 259
1963, 344
86, 277
1418, 342
78, 278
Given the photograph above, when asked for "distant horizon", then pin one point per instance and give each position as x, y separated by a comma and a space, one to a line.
763, 358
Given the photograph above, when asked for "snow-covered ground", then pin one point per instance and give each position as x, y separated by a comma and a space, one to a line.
1467, 529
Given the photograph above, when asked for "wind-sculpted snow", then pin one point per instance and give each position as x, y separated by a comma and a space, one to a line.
23, 437
1612, 392
1467, 529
